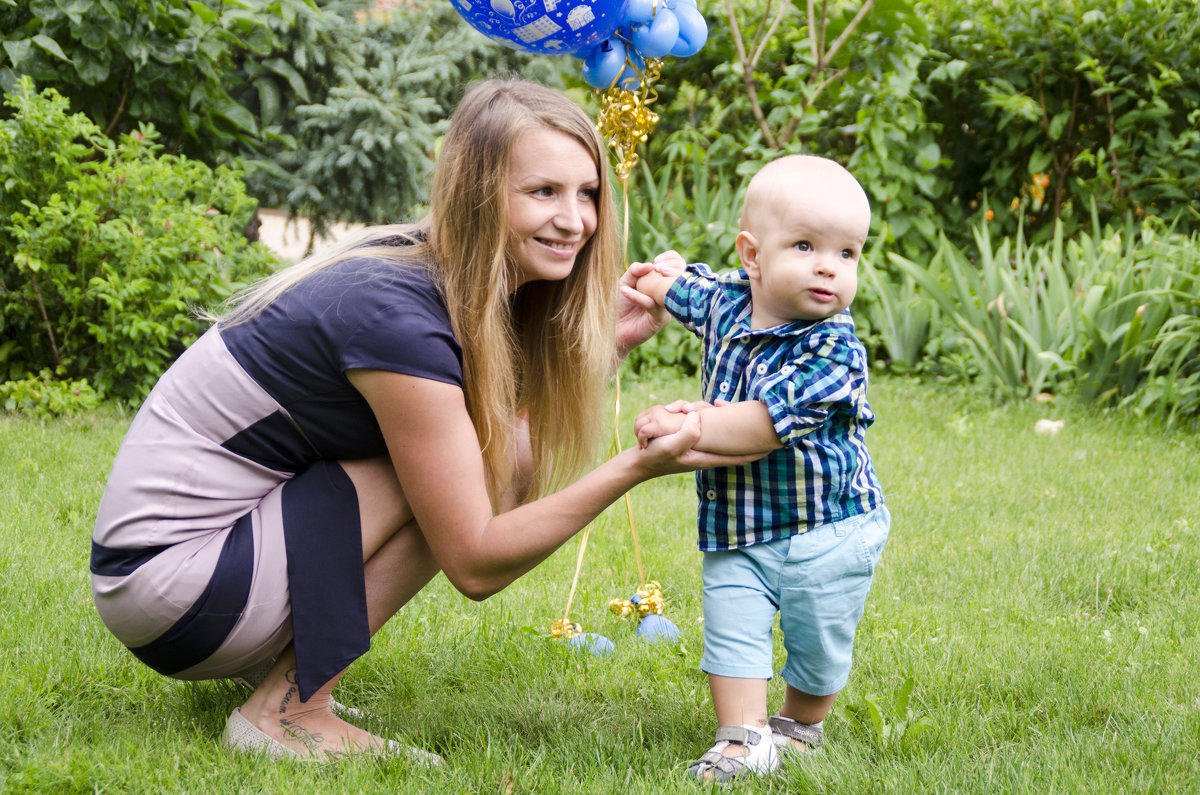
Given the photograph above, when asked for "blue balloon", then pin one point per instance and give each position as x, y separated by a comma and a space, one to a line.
545, 26
693, 30
602, 64
590, 641
639, 11
655, 628
656, 39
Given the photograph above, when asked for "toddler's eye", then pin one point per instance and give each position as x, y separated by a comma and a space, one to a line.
803, 245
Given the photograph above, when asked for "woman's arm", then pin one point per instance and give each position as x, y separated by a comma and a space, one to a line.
438, 462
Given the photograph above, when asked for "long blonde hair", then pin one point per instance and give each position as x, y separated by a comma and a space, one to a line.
546, 349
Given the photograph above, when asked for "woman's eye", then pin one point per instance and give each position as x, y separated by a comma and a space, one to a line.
589, 194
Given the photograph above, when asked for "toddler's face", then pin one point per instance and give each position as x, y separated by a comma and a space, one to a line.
807, 255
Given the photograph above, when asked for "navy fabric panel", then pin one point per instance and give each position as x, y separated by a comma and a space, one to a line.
206, 624
322, 531
119, 561
356, 314
338, 438
273, 442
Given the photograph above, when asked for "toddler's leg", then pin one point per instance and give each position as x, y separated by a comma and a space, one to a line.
744, 741
738, 702
799, 723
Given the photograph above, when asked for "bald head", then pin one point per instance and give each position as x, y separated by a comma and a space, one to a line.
797, 183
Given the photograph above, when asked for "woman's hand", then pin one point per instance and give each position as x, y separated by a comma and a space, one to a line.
639, 317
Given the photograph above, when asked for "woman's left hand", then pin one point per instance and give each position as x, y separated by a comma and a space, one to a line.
638, 316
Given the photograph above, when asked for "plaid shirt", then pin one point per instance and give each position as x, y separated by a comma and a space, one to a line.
813, 378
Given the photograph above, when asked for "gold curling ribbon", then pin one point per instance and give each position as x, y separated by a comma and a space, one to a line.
625, 120
648, 599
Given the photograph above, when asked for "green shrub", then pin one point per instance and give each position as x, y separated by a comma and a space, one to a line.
170, 63
106, 247
1056, 106
45, 396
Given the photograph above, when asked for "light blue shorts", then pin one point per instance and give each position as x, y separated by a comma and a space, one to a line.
818, 583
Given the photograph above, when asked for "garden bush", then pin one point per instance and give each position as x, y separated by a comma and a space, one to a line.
1059, 106
106, 247
169, 63
1024, 112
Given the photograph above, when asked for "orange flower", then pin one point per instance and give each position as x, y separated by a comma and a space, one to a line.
989, 215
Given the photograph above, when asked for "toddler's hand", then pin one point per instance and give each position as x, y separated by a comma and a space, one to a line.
670, 263
659, 421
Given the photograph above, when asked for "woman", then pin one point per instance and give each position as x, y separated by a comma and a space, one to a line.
366, 418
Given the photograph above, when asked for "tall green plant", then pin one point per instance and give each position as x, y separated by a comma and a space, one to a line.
1109, 316
358, 143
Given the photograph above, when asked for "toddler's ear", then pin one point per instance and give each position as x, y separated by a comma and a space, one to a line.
747, 249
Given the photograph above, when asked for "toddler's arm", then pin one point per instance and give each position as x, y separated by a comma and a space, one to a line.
742, 428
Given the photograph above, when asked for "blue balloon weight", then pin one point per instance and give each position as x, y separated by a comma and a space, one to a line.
655, 628
590, 641
656, 39
545, 26
693, 30
602, 64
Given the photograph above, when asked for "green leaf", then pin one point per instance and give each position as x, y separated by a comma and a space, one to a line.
203, 12
51, 46
17, 50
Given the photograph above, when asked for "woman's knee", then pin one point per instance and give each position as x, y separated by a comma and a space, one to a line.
382, 507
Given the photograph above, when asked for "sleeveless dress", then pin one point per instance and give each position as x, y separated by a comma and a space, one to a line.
227, 528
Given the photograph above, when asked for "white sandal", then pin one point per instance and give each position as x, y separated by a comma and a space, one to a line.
761, 755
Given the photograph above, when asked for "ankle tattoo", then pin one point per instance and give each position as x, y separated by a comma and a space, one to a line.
311, 740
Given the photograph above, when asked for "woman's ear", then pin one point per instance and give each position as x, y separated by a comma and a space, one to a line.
747, 249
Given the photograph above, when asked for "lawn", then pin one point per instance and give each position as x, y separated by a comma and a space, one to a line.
1039, 594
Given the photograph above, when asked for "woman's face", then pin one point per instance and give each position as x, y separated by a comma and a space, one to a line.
552, 189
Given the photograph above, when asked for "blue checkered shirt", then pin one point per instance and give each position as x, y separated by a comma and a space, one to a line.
813, 378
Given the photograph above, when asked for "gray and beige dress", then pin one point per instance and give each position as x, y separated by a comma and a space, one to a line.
228, 529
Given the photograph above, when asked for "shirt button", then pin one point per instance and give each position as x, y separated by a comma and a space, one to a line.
724, 386
762, 369
787, 369
711, 494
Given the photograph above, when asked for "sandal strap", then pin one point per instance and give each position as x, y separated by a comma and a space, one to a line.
813, 736
739, 734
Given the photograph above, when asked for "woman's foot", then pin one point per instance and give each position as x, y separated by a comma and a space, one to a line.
276, 718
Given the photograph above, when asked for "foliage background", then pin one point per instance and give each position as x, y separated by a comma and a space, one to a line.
1035, 126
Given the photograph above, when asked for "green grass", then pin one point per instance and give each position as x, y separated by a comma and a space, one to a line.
1042, 594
